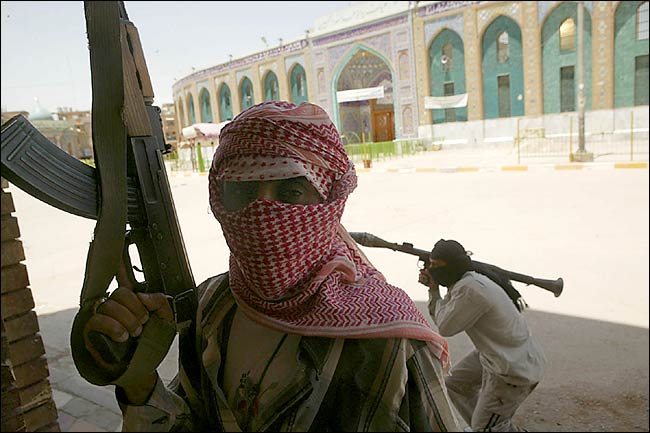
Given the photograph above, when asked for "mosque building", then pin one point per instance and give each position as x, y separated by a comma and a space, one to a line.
69, 130
464, 72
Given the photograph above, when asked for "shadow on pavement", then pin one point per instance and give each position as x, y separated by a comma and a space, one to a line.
596, 379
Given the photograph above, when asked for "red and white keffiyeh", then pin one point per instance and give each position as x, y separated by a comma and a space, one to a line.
294, 268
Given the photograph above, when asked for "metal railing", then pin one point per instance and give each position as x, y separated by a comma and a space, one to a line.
534, 141
379, 151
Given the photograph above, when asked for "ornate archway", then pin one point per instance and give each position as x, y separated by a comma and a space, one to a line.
370, 117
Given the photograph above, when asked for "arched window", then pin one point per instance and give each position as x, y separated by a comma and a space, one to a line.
642, 22
190, 105
502, 66
298, 85
568, 35
631, 54
503, 47
246, 94
225, 103
447, 74
447, 58
271, 92
560, 58
206, 107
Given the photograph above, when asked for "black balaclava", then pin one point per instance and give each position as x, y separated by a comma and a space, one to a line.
458, 262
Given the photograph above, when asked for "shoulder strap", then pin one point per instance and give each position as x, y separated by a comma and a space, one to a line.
194, 381
320, 384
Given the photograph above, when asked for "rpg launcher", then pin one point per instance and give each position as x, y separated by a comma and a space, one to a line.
370, 240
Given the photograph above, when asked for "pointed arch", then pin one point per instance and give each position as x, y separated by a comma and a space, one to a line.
560, 58
336, 75
631, 54
225, 103
298, 84
190, 108
206, 106
270, 87
503, 78
246, 96
447, 73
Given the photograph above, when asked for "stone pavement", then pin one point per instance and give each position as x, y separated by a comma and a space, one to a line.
85, 407
81, 405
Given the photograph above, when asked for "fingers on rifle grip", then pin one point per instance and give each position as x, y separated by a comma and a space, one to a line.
157, 303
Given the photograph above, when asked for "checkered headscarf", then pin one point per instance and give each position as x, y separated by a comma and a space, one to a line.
294, 268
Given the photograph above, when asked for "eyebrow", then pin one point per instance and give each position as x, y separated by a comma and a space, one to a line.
300, 180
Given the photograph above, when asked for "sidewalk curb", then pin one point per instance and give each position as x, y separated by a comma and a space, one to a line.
516, 168
474, 169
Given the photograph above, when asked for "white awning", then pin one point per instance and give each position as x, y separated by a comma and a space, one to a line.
360, 94
452, 101
203, 130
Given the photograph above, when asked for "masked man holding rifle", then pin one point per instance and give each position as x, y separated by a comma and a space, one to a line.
302, 333
491, 382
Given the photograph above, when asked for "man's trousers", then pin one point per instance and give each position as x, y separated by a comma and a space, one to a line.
485, 401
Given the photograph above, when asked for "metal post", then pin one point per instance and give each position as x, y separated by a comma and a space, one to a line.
518, 143
366, 156
581, 155
199, 155
632, 135
570, 139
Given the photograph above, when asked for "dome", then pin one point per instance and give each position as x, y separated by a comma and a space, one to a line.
40, 113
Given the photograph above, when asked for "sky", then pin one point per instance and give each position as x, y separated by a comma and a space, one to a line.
45, 52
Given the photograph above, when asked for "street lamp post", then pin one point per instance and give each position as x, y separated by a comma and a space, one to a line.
581, 155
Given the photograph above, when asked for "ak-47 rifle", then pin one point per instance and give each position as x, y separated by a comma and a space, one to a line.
128, 194
501, 276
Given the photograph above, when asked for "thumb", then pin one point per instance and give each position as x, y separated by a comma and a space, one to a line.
157, 303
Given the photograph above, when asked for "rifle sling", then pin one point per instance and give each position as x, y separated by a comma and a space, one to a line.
109, 145
111, 71
153, 345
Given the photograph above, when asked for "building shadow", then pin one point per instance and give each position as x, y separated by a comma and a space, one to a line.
596, 378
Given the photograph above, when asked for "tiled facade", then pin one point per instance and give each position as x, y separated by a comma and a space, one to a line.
401, 41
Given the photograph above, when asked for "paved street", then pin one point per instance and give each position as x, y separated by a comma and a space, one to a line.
588, 226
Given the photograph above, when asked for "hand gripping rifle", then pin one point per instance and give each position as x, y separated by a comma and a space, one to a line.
128, 194
370, 240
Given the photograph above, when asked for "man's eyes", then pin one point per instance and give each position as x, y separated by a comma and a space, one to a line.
243, 188
291, 191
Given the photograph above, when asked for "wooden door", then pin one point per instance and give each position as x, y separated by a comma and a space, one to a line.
383, 126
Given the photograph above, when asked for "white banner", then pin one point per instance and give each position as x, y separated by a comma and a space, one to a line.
360, 94
207, 130
452, 101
